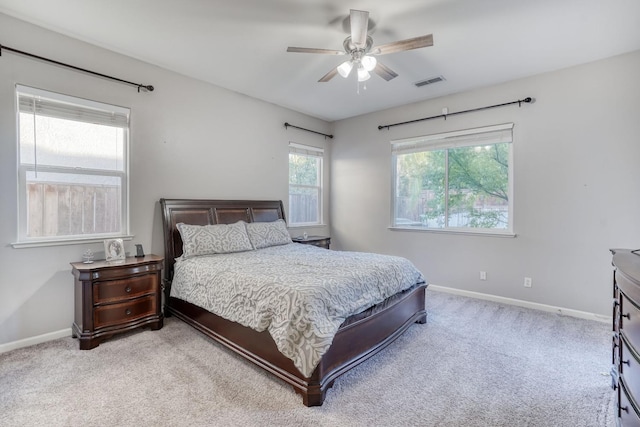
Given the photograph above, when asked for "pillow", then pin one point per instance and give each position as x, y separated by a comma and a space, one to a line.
213, 239
265, 234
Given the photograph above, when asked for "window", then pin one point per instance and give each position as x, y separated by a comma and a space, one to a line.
72, 167
305, 185
456, 181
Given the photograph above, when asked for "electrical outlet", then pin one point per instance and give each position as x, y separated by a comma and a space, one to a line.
527, 282
483, 275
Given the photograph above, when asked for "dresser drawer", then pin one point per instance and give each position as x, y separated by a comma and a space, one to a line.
114, 314
630, 369
628, 415
627, 284
615, 312
629, 319
116, 290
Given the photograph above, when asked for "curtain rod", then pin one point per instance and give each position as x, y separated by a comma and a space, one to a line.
519, 102
287, 125
31, 55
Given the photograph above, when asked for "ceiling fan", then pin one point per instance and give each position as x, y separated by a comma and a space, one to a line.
359, 47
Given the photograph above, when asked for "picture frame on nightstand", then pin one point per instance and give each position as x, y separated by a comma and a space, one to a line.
114, 250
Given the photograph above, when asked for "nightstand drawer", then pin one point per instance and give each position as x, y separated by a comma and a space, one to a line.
320, 244
123, 271
319, 241
114, 314
117, 290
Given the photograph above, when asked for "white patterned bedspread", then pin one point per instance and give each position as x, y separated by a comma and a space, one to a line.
300, 293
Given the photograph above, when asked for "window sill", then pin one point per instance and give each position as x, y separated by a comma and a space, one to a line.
306, 225
461, 232
64, 242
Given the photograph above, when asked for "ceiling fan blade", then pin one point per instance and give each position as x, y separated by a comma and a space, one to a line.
331, 74
399, 46
359, 20
385, 72
314, 50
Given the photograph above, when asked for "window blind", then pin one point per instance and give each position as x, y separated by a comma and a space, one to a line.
305, 150
38, 102
487, 135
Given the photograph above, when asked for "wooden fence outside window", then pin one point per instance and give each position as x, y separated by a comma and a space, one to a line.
70, 210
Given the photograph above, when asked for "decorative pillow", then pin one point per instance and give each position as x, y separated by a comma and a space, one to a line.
265, 234
213, 239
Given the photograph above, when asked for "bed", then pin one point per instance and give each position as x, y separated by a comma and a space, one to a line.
359, 337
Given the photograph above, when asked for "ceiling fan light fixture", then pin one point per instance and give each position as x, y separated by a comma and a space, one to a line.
345, 68
368, 62
360, 50
363, 74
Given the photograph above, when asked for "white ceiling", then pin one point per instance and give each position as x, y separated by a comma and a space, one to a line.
241, 44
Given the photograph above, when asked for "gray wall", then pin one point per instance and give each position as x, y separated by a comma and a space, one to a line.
577, 186
576, 175
188, 140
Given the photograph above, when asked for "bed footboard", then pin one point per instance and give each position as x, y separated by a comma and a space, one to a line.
353, 344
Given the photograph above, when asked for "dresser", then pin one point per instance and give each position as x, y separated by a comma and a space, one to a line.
320, 241
114, 297
625, 355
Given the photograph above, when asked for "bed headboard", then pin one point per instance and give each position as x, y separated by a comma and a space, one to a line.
206, 212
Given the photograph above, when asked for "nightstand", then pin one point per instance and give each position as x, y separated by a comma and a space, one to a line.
320, 241
117, 296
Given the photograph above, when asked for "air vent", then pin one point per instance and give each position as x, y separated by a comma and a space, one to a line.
429, 81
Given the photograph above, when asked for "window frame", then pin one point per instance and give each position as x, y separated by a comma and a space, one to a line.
317, 153
120, 119
444, 142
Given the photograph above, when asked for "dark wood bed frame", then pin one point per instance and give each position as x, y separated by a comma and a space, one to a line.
359, 338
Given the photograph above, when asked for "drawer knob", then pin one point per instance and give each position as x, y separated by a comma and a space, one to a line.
626, 362
628, 316
127, 289
625, 409
127, 311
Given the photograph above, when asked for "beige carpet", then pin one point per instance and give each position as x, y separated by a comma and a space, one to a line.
475, 363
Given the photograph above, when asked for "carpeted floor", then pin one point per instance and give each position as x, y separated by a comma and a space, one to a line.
475, 363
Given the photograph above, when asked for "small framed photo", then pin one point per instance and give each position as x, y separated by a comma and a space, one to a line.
114, 250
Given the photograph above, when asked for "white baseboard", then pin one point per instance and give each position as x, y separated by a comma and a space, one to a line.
35, 340
511, 301
521, 303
